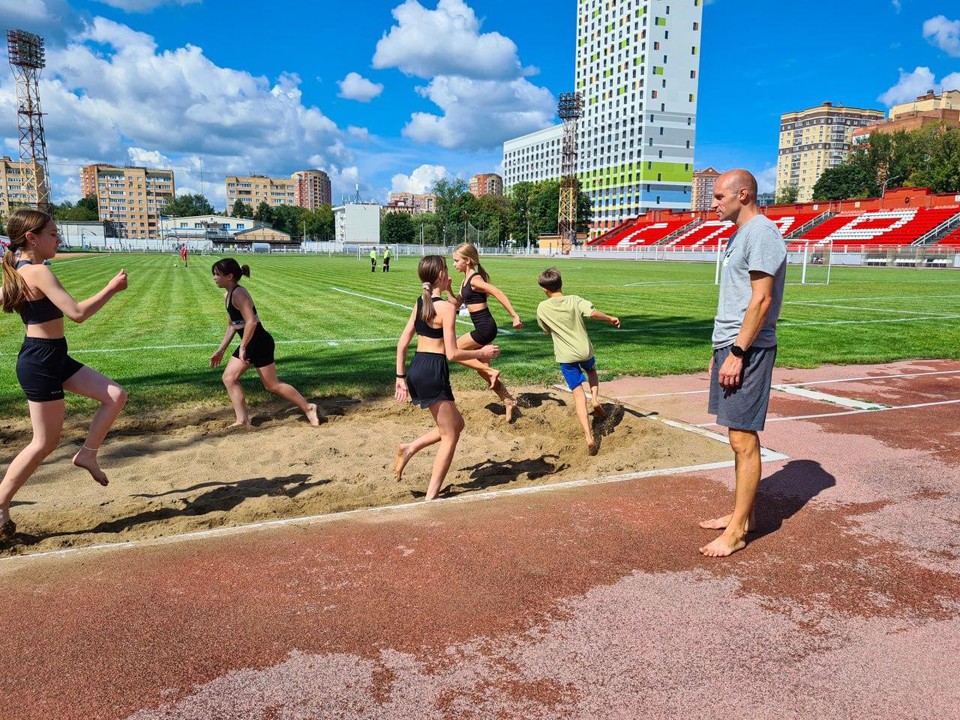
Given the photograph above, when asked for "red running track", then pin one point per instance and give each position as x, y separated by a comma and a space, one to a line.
587, 602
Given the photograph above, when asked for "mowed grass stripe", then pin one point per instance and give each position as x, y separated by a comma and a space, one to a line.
667, 311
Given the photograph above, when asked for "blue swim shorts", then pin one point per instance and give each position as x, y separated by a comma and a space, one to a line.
574, 373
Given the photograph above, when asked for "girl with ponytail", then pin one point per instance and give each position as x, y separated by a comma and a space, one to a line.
255, 349
427, 381
44, 369
474, 290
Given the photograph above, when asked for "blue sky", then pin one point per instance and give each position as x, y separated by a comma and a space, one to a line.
391, 95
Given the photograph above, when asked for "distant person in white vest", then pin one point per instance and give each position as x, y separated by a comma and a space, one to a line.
744, 345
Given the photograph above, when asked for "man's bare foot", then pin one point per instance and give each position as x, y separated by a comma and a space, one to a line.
723, 546
721, 523
598, 411
494, 376
312, 415
400, 462
87, 459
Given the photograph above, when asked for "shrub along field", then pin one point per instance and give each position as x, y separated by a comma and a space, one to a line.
336, 323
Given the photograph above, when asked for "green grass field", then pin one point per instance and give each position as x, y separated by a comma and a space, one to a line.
336, 323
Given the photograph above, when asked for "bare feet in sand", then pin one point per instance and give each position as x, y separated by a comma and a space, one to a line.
723, 546
242, 425
400, 462
592, 447
510, 406
312, 415
721, 523
86, 458
8, 530
598, 411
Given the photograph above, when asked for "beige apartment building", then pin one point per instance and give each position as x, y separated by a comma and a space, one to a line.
926, 110
130, 198
486, 184
307, 189
815, 140
14, 190
703, 182
949, 100
411, 203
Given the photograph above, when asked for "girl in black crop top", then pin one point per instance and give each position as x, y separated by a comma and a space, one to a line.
44, 368
256, 346
474, 290
427, 380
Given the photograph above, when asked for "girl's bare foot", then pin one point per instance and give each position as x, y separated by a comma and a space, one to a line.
723, 546
400, 462
494, 376
86, 458
312, 415
598, 411
510, 406
242, 425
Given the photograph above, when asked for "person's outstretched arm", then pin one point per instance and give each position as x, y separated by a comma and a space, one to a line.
48, 283
597, 315
483, 286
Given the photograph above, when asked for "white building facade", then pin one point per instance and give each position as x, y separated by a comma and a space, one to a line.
357, 223
638, 65
533, 157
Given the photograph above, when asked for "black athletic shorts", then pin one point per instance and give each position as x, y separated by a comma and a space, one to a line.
485, 327
428, 379
43, 366
260, 349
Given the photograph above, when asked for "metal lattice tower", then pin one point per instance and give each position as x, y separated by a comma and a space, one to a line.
570, 109
27, 58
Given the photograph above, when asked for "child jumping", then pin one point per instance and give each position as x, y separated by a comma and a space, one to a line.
561, 317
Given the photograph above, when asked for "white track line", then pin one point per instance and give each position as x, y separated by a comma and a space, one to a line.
895, 298
827, 398
852, 412
873, 377
803, 323
333, 517
405, 307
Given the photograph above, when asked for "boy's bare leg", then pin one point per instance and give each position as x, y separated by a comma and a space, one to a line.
746, 447
594, 382
580, 402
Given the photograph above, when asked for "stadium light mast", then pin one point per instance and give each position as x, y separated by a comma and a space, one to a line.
570, 110
27, 58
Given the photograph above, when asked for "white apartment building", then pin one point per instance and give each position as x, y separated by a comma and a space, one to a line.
533, 157
637, 68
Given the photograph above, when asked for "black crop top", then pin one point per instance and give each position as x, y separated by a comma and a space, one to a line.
421, 328
34, 312
236, 317
469, 295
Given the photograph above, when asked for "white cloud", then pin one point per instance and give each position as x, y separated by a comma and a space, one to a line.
896, 5
445, 41
111, 89
358, 132
480, 113
144, 6
943, 33
914, 84
54, 20
356, 87
420, 180
148, 158
766, 179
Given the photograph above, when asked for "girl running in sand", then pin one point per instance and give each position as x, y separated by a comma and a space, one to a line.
428, 380
255, 349
473, 292
44, 369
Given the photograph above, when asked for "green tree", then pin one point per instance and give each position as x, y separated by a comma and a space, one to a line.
787, 195
320, 223
397, 229
86, 209
187, 206
263, 213
241, 209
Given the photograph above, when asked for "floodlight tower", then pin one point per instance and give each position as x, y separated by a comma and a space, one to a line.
570, 109
27, 60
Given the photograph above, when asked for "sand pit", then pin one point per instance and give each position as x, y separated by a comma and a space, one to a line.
186, 471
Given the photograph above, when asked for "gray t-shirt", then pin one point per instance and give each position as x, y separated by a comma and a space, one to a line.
758, 247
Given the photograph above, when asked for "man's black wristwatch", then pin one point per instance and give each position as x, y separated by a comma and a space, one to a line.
737, 351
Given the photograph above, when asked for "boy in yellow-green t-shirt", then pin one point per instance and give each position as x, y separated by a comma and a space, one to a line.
561, 317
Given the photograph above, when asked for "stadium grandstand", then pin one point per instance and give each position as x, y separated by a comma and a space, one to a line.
902, 218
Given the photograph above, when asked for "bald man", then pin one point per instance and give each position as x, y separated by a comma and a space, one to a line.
744, 344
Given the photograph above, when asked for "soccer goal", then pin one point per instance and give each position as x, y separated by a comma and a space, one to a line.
817, 258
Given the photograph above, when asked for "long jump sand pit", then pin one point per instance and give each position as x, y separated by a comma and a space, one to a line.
187, 471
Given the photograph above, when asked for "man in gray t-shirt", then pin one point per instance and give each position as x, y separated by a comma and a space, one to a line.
744, 344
